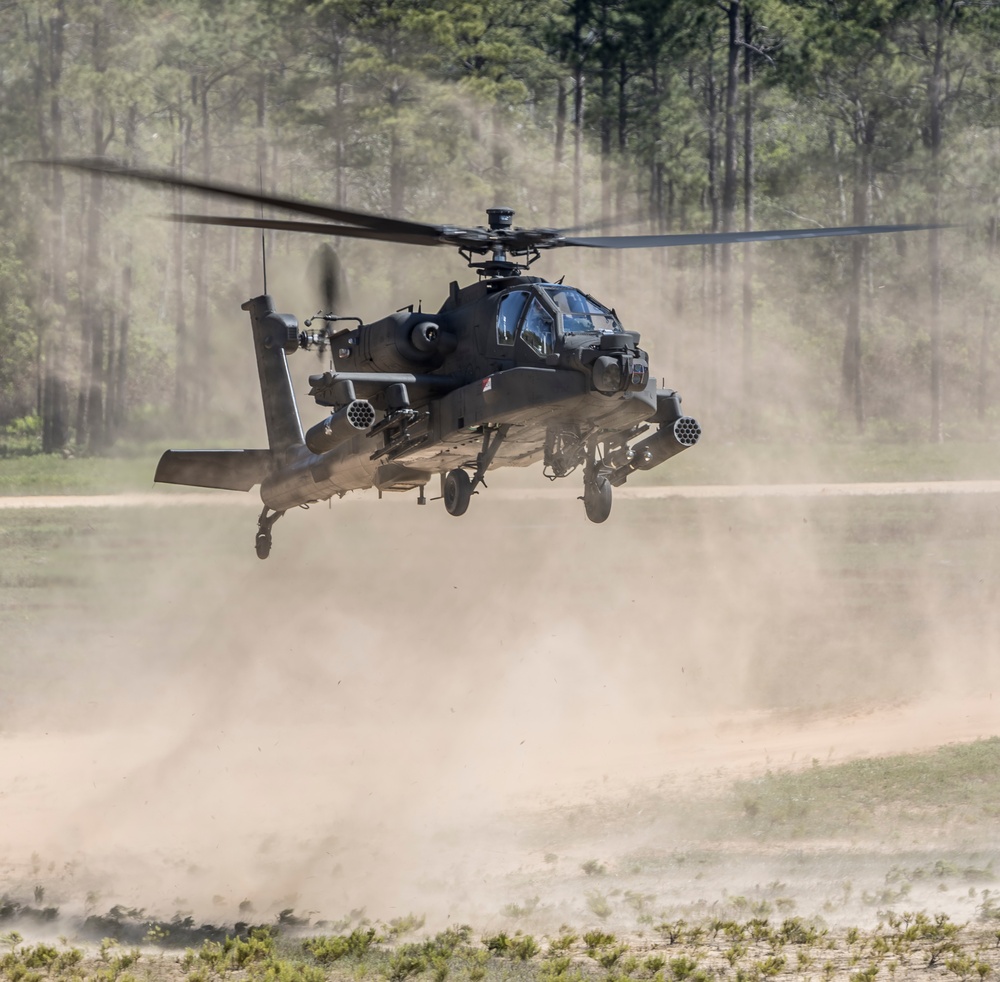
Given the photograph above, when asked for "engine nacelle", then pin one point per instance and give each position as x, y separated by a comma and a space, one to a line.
402, 342
350, 420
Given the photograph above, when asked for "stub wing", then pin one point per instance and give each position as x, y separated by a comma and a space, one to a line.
232, 470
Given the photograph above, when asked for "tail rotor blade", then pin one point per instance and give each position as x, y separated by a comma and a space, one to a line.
326, 275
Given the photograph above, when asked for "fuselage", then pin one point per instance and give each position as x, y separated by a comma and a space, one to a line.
537, 357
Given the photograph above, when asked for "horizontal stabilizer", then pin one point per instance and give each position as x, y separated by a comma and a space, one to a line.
234, 470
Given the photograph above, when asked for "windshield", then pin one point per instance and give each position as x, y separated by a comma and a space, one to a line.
508, 315
581, 314
537, 329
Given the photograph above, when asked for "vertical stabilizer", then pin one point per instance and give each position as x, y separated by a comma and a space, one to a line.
276, 335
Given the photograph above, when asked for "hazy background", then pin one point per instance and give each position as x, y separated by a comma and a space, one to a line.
637, 117
404, 712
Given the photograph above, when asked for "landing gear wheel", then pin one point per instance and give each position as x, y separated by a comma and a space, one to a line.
597, 499
457, 492
263, 544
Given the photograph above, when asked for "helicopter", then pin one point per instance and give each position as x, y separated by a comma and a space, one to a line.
511, 370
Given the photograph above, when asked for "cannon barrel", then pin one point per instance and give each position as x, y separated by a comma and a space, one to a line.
350, 420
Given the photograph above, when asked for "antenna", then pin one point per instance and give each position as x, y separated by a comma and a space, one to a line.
263, 246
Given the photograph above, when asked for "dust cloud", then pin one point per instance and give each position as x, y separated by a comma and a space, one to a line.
401, 711
398, 711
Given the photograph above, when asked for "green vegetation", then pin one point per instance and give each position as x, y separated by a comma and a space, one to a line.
905, 945
331, 949
953, 784
656, 117
954, 789
753, 463
821, 460
55, 474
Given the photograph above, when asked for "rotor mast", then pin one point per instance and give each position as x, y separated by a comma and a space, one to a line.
501, 238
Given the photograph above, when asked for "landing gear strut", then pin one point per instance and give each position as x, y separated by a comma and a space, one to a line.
263, 540
492, 438
457, 488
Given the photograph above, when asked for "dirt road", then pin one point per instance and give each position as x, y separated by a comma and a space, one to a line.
165, 499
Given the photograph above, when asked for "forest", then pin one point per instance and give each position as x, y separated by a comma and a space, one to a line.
625, 115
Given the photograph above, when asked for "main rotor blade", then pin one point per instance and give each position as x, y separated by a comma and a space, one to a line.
290, 225
719, 238
603, 223
390, 226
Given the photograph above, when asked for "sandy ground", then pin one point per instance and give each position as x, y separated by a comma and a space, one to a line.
392, 716
144, 818
693, 753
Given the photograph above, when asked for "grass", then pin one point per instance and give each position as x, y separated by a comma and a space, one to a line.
55, 474
87, 573
864, 840
954, 784
709, 463
954, 789
847, 461
912, 945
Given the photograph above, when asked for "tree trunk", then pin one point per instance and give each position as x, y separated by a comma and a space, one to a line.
983, 380
935, 100
712, 107
620, 182
261, 148
113, 323
339, 121
710, 255
578, 83
559, 152
656, 202
497, 144
200, 367
851, 388
55, 410
121, 364
91, 430
179, 261
397, 168
934, 263
727, 343
606, 123
834, 146
95, 312
749, 414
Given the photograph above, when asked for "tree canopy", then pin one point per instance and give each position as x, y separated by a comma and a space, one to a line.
673, 115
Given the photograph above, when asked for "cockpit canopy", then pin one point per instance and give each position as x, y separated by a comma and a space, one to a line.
537, 316
580, 313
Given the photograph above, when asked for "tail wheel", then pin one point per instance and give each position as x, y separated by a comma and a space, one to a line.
262, 541
457, 492
597, 498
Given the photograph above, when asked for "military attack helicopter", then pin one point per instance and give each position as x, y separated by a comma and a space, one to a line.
511, 370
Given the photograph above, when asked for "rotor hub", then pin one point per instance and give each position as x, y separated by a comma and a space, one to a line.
500, 218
